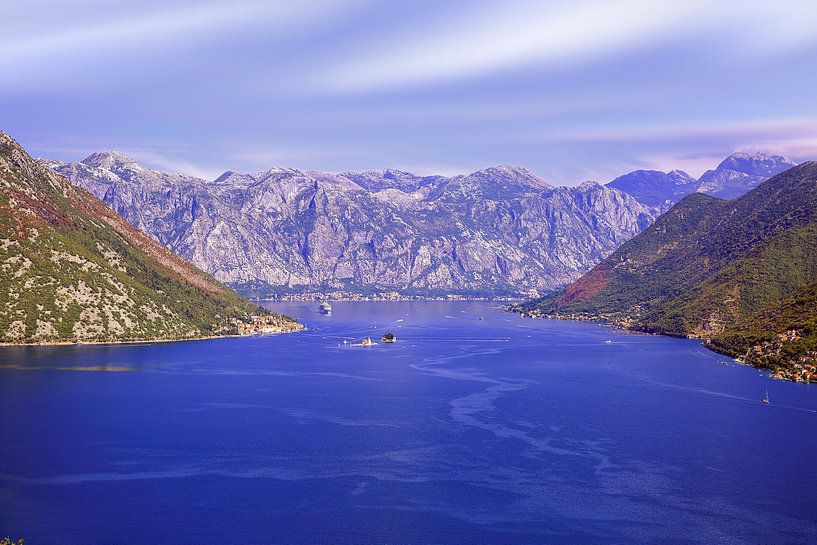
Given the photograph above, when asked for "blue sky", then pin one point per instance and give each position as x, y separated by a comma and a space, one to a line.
571, 90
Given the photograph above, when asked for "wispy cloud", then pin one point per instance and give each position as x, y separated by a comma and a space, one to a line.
693, 164
697, 147
779, 130
172, 163
502, 36
153, 27
571, 90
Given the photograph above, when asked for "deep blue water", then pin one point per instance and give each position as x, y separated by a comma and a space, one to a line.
502, 430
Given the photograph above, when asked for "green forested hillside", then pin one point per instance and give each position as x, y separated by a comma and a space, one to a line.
782, 334
711, 268
73, 270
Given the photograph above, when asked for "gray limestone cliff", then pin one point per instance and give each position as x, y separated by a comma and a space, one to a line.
500, 230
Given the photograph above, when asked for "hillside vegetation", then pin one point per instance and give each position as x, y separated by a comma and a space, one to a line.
71, 269
783, 336
739, 274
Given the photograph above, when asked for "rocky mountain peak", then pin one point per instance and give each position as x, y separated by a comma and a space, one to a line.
756, 164
510, 174
656, 188
589, 184
112, 160
734, 176
741, 172
394, 174
378, 180
227, 175
681, 177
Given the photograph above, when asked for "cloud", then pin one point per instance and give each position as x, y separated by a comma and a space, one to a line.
507, 35
797, 149
750, 130
151, 27
172, 163
571, 89
693, 164
695, 147
253, 157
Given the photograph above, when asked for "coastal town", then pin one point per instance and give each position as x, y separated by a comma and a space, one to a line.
382, 296
798, 372
768, 353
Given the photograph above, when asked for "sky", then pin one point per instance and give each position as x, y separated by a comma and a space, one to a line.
571, 90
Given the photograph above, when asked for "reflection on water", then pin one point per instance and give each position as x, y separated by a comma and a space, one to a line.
467, 430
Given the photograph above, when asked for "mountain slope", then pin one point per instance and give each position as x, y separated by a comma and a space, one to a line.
707, 264
501, 230
783, 336
73, 270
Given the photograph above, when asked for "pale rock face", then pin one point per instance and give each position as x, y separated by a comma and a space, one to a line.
740, 173
499, 230
756, 164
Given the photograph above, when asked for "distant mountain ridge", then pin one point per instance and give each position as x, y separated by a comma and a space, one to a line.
501, 230
740, 274
734, 176
75, 271
740, 173
656, 188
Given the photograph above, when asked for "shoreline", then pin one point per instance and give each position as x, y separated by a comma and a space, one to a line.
369, 299
623, 329
142, 341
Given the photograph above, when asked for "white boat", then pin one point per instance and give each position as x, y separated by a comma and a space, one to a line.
325, 308
766, 399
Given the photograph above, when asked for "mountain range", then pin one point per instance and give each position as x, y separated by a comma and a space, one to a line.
500, 230
737, 174
75, 271
741, 274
